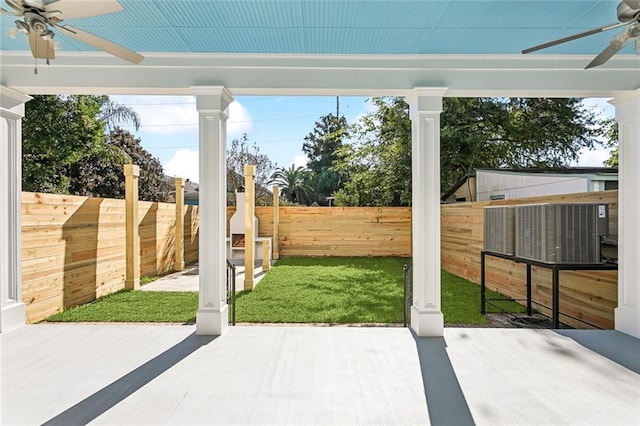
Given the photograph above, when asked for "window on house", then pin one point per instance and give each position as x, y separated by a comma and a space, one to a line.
610, 184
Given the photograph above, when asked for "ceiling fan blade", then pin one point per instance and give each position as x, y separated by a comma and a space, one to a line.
15, 6
17, 9
102, 44
625, 37
7, 12
573, 37
604, 56
41, 48
69, 9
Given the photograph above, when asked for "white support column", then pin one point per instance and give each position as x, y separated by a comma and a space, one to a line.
12, 310
425, 108
627, 314
212, 104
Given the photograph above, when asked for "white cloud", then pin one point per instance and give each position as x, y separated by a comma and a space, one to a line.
164, 115
173, 115
239, 121
300, 160
593, 158
184, 163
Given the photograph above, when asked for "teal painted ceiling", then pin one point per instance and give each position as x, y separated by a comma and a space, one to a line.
343, 26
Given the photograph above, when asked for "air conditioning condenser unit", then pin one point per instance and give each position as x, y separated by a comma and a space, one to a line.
499, 229
561, 233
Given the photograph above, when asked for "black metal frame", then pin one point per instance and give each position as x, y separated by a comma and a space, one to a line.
231, 290
407, 295
555, 282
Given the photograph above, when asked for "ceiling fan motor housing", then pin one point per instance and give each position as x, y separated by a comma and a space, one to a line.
36, 23
627, 12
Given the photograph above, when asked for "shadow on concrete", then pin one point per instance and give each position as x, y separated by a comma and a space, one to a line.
106, 398
614, 345
445, 400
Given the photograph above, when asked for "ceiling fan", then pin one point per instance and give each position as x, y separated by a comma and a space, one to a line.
40, 18
628, 16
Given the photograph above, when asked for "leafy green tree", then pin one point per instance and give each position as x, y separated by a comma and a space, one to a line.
66, 150
325, 183
58, 132
516, 132
548, 132
322, 147
378, 163
103, 176
294, 182
475, 133
240, 153
471, 136
322, 144
611, 134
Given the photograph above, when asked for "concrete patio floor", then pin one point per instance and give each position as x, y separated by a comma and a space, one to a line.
188, 279
164, 374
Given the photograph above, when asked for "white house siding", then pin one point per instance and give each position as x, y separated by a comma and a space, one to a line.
509, 185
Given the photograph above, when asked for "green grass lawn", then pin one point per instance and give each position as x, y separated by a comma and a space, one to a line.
461, 301
300, 290
135, 306
326, 290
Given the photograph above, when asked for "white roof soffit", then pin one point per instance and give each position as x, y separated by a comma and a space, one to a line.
302, 74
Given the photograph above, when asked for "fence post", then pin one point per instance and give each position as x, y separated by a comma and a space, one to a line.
132, 280
276, 222
179, 244
249, 231
266, 259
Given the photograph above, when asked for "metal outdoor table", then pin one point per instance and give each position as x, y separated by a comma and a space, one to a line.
555, 282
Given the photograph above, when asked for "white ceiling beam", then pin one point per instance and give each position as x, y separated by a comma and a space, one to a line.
357, 75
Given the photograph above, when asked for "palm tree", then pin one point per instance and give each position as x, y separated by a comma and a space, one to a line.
114, 114
295, 183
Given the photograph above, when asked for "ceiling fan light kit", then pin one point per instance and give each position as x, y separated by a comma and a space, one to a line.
39, 19
628, 12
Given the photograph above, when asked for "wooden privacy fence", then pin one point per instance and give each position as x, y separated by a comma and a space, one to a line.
74, 248
338, 231
590, 296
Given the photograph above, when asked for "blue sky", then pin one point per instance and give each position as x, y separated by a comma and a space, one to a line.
277, 125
